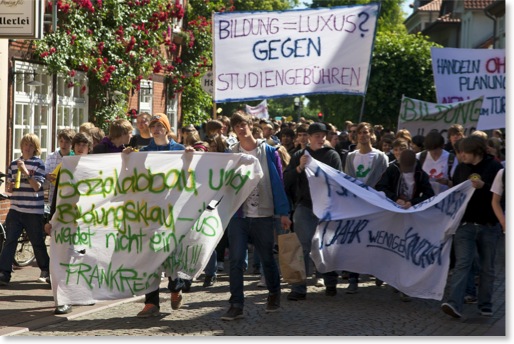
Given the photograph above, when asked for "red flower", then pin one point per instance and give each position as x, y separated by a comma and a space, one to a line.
72, 73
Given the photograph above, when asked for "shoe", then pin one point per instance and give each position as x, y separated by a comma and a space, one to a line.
470, 299
149, 311
3, 279
187, 286
450, 310
209, 281
486, 311
352, 288
378, 282
273, 304
233, 313
320, 282
64, 309
221, 266
176, 300
44, 277
262, 282
331, 291
294, 296
405, 297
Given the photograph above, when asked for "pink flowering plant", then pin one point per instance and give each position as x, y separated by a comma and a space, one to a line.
115, 43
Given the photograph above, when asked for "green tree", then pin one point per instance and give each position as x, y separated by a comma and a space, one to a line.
116, 43
400, 65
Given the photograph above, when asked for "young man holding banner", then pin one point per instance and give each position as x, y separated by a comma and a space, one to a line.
305, 222
160, 129
367, 164
478, 232
255, 219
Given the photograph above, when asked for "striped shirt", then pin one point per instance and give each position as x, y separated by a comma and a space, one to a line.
25, 199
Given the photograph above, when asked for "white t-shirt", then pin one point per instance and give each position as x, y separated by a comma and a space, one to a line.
251, 205
497, 186
407, 186
363, 164
437, 169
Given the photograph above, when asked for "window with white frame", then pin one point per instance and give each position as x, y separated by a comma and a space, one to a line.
32, 110
146, 96
72, 102
33, 105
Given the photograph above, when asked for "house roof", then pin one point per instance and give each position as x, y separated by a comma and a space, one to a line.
433, 6
477, 4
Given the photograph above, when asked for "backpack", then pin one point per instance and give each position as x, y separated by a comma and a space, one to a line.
451, 160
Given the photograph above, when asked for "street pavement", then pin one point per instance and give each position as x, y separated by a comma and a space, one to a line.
26, 309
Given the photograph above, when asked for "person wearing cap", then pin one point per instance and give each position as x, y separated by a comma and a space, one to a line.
160, 129
160, 125
254, 221
297, 188
366, 164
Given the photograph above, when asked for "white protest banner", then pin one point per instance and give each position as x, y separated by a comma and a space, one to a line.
123, 219
362, 231
420, 117
464, 74
274, 54
259, 111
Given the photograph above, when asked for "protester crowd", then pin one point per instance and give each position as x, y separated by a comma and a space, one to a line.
408, 169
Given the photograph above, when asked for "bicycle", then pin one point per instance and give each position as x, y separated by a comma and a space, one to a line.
24, 251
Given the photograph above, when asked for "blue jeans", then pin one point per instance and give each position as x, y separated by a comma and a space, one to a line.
470, 238
260, 231
33, 225
212, 265
305, 223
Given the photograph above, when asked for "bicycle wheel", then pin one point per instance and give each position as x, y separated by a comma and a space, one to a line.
2, 237
24, 252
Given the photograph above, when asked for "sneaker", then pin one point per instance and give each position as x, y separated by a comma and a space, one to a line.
64, 309
331, 291
294, 296
149, 311
3, 279
486, 311
405, 297
378, 282
233, 313
273, 304
209, 281
44, 277
450, 310
262, 282
176, 300
470, 299
352, 288
221, 266
320, 282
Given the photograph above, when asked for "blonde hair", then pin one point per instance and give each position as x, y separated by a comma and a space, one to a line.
31, 138
86, 127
